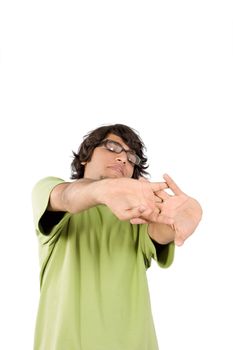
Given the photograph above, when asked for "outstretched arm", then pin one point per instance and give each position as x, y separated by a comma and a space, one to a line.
127, 198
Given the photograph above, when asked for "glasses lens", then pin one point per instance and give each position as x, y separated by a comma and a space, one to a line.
117, 148
133, 158
113, 146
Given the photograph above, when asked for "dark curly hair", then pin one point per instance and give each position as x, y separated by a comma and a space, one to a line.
95, 137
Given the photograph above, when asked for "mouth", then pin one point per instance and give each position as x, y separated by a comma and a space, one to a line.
118, 169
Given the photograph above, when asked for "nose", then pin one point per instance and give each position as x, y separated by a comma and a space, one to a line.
122, 157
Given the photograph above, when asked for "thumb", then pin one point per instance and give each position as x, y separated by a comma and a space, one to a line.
179, 242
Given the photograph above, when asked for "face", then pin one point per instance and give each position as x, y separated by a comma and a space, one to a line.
107, 164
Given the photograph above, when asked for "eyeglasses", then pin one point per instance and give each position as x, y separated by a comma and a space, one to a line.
116, 147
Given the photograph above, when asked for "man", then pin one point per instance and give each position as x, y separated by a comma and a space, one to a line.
97, 235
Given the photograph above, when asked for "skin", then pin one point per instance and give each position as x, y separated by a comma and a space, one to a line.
107, 180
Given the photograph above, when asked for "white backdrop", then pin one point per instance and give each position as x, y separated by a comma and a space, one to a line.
162, 67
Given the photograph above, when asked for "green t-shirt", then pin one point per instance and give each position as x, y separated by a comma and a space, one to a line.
94, 291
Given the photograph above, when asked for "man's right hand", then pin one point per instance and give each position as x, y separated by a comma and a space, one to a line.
130, 199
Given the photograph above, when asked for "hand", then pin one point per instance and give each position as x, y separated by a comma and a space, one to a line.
131, 199
185, 212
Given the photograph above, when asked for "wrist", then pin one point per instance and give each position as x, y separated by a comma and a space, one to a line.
161, 233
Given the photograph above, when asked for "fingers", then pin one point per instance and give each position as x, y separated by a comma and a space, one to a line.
158, 186
158, 199
128, 214
162, 195
171, 184
139, 216
143, 215
179, 242
139, 221
135, 212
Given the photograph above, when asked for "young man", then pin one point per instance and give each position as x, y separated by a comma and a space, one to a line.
97, 235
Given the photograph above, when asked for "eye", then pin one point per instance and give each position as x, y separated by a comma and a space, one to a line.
110, 145
114, 147
132, 158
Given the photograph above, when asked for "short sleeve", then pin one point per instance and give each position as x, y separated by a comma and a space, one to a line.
163, 254
40, 197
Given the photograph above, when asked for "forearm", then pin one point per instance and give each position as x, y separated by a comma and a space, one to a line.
161, 233
76, 196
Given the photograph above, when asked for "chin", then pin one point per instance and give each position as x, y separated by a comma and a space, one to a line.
111, 176
108, 177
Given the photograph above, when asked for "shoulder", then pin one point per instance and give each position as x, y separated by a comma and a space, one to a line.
46, 184
42, 189
48, 181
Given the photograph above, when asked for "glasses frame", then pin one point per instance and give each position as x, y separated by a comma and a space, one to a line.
119, 148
